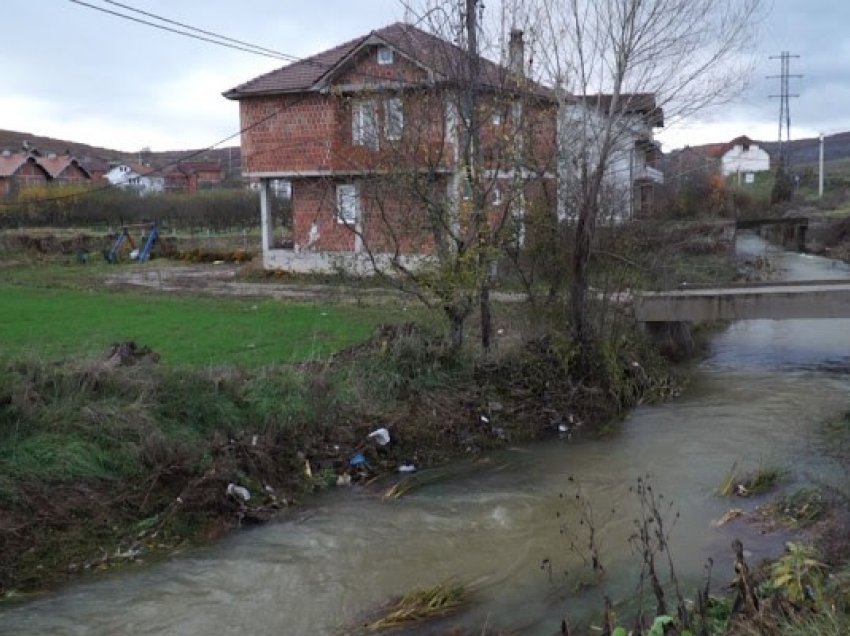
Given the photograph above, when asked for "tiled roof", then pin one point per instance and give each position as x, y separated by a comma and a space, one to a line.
641, 103
201, 166
442, 57
11, 163
56, 164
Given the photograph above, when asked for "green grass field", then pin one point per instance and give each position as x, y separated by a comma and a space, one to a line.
61, 324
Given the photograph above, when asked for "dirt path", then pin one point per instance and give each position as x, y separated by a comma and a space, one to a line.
225, 280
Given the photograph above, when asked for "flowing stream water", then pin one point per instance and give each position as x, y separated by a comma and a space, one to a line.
759, 396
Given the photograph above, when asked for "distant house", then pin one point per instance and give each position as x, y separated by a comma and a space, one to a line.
743, 156
133, 176
20, 170
26, 168
191, 176
64, 168
97, 168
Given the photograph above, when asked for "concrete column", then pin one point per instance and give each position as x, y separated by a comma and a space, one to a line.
265, 216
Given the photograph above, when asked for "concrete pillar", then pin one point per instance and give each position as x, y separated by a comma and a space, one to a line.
265, 216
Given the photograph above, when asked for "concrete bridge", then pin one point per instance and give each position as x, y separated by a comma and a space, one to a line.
790, 229
807, 299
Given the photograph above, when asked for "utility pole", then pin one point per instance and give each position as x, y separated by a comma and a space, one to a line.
820, 173
784, 96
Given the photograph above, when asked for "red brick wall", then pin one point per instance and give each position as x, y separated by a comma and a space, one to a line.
385, 212
72, 174
297, 139
29, 175
364, 69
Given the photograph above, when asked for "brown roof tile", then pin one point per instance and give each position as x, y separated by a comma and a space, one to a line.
442, 57
10, 163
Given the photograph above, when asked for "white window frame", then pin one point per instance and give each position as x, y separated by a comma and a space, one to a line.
496, 118
385, 56
393, 118
347, 204
364, 123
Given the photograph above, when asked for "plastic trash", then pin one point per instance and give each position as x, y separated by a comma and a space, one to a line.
238, 492
406, 468
485, 419
380, 435
343, 480
134, 255
563, 428
358, 459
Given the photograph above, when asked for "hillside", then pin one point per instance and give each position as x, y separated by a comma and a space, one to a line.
229, 156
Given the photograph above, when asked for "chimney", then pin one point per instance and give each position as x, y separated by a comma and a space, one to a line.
516, 52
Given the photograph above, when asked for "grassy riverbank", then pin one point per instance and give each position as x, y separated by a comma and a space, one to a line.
107, 462
112, 456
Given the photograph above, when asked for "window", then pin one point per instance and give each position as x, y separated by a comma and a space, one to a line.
385, 56
347, 204
364, 124
497, 118
393, 118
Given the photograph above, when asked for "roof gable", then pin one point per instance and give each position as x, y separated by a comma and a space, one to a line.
443, 60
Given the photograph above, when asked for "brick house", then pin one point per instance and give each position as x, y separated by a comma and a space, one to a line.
191, 176
368, 135
64, 169
19, 170
23, 169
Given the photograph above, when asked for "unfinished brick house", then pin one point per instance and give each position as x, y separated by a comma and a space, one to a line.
369, 136
64, 169
191, 176
19, 170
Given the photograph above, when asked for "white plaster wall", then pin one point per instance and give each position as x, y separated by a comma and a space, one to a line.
736, 159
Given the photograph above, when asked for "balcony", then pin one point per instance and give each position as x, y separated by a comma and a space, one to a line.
649, 174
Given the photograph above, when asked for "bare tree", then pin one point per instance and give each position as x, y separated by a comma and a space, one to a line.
446, 171
615, 64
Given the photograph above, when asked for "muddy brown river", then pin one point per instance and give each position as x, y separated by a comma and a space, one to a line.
759, 396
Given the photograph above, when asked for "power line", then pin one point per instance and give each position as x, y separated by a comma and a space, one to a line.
225, 38
255, 51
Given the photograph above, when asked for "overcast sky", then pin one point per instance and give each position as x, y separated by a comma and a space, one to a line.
68, 71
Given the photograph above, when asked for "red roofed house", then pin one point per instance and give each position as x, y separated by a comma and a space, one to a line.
191, 176
368, 134
20, 170
742, 155
64, 169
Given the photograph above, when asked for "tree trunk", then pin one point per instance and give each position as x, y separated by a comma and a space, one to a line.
486, 314
578, 291
456, 321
